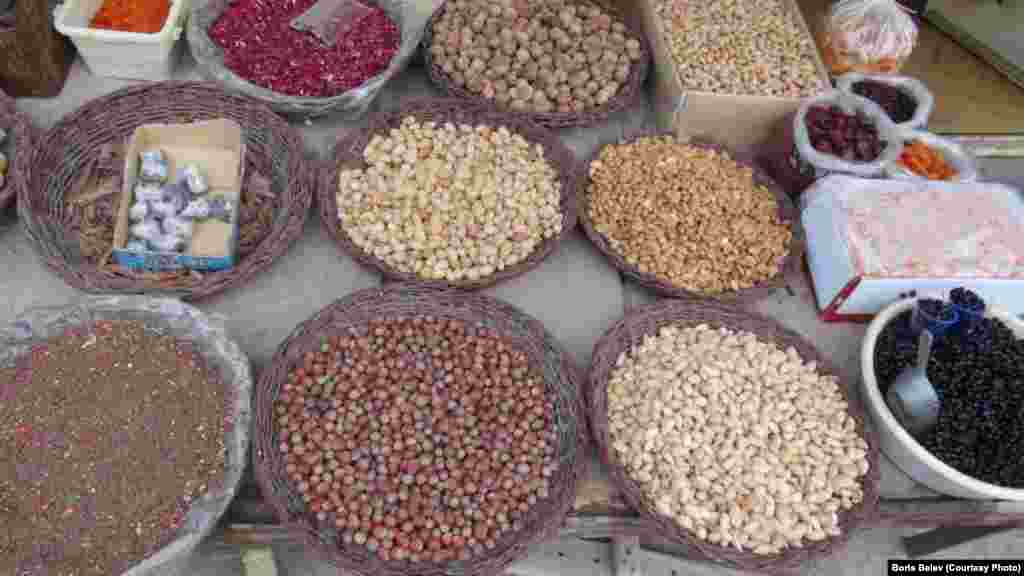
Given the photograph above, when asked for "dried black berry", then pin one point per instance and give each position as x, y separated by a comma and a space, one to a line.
979, 377
966, 299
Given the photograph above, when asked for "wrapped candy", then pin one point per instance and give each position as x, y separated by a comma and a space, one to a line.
221, 209
153, 166
199, 209
148, 230
179, 227
167, 243
145, 192
195, 179
176, 193
162, 209
138, 211
137, 246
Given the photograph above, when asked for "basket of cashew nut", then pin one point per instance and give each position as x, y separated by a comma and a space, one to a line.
688, 219
445, 193
731, 435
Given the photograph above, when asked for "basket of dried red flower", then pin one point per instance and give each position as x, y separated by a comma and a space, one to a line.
416, 430
71, 194
16, 134
265, 49
124, 429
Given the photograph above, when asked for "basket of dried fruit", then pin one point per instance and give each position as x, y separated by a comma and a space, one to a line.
124, 429
505, 192
16, 133
730, 434
560, 64
69, 201
418, 430
688, 219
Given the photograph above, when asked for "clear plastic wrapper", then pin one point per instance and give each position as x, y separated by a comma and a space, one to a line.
195, 180
137, 246
167, 243
221, 209
148, 230
138, 211
3, 135
890, 227
153, 166
161, 209
179, 227
870, 36
148, 192
918, 92
966, 166
198, 209
330, 19
176, 194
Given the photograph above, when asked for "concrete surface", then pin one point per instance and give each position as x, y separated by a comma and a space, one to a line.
575, 293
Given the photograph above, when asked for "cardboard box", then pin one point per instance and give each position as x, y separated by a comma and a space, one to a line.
218, 147
740, 122
845, 285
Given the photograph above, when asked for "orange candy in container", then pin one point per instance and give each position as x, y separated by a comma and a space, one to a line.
869, 36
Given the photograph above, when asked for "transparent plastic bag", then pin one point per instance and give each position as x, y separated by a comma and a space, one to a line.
851, 104
870, 36
959, 159
923, 99
329, 20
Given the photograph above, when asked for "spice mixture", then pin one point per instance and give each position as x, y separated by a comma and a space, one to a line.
419, 439
741, 443
535, 55
691, 216
140, 16
752, 47
261, 46
107, 433
978, 375
449, 202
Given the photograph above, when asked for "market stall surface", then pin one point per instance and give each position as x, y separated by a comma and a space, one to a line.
577, 295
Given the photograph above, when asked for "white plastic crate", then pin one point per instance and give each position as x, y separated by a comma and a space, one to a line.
128, 55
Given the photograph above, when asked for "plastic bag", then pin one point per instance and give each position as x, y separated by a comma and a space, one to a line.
330, 19
871, 36
411, 16
965, 165
795, 164
923, 99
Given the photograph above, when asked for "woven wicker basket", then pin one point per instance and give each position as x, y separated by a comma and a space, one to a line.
273, 150
20, 136
627, 96
222, 355
628, 333
349, 150
787, 212
353, 313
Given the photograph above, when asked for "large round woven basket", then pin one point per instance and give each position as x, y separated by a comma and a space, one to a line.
628, 333
348, 153
21, 134
275, 196
352, 315
631, 90
787, 212
209, 339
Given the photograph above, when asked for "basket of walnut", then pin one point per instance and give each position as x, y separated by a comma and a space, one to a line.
560, 63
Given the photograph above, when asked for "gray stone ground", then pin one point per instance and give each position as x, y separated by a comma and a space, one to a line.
575, 293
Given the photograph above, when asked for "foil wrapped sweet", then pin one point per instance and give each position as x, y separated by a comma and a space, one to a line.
154, 167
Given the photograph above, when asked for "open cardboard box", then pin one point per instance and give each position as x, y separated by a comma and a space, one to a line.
743, 123
848, 291
218, 147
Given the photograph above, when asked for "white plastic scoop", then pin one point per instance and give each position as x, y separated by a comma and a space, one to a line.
911, 396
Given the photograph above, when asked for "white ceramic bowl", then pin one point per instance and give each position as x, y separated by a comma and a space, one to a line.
899, 445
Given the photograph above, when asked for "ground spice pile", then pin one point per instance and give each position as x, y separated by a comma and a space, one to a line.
107, 433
